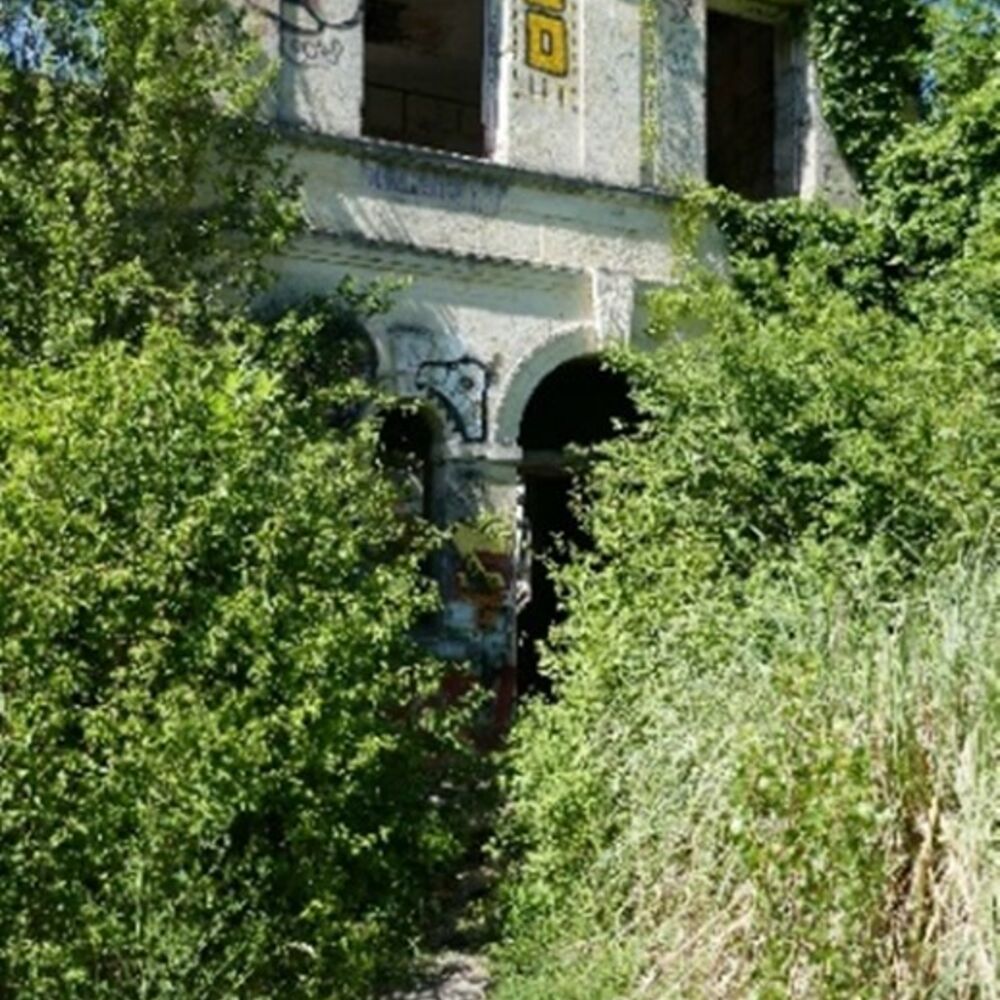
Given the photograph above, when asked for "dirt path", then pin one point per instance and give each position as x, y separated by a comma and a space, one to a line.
452, 976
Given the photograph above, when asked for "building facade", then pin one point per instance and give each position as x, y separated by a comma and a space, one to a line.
517, 161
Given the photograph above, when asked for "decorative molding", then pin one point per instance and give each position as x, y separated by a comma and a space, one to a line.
461, 386
578, 342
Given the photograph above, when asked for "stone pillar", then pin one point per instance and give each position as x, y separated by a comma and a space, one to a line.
825, 172
540, 112
611, 45
614, 295
791, 106
570, 88
674, 73
321, 47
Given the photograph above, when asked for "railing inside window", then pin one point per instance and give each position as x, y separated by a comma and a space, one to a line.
424, 119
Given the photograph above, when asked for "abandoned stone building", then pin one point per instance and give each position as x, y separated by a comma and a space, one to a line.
518, 162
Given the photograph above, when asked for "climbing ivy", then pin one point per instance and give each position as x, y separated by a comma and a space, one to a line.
650, 42
870, 58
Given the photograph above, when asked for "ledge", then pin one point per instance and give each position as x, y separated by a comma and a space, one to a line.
422, 158
362, 244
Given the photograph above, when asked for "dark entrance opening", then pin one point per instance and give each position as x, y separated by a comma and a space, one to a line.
742, 105
580, 403
406, 451
424, 73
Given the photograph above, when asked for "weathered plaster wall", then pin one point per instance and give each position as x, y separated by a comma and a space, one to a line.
825, 173
521, 262
608, 90
502, 264
674, 79
511, 274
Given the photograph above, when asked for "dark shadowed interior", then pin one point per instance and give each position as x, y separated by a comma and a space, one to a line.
741, 105
406, 446
424, 73
580, 403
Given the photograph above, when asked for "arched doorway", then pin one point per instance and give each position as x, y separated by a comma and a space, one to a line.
580, 403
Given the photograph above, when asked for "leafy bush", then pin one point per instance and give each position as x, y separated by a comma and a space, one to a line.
218, 772
770, 769
701, 653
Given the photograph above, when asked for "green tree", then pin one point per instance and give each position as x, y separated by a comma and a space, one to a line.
220, 768
136, 183
218, 763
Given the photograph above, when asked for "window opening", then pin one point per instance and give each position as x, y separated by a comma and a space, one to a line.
742, 105
424, 73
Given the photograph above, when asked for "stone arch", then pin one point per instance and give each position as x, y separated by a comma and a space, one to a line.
410, 441
383, 357
529, 374
574, 405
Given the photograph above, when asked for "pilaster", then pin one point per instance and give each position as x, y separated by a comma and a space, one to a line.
321, 80
611, 46
674, 79
540, 110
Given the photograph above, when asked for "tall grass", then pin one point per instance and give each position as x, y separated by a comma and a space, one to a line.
796, 797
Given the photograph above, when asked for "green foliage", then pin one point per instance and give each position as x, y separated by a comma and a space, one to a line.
137, 184
221, 773
797, 793
869, 57
883, 65
216, 757
937, 185
966, 46
770, 768
782, 442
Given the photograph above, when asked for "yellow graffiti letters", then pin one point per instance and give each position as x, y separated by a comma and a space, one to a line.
547, 37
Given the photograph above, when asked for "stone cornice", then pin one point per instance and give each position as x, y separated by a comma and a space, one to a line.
420, 158
355, 249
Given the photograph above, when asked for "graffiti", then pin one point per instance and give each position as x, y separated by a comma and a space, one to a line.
306, 27
680, 11
454, 192
462, 388
545, 34
317, 22
306, 51
547, 37
488, 574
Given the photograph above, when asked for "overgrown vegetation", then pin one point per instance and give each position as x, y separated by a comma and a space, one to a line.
218, 758
137, 185
220, 764
770, 769
869, 58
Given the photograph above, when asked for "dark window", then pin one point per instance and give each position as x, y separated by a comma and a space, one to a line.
406, 448
424, 73
741, 105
